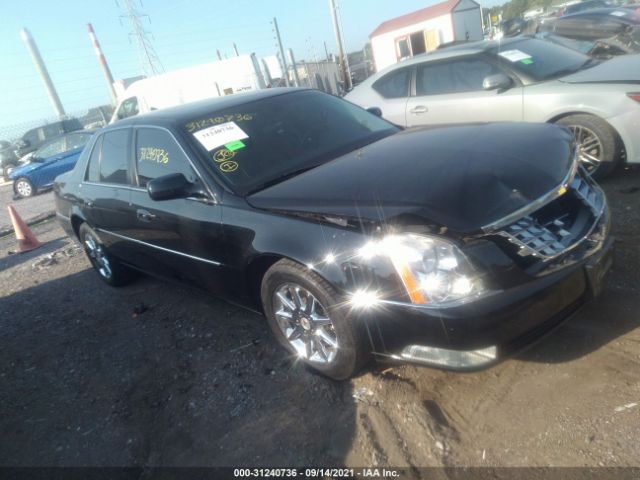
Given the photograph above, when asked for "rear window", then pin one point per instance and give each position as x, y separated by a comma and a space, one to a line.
394, 84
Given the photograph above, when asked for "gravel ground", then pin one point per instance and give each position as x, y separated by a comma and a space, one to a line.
155, 374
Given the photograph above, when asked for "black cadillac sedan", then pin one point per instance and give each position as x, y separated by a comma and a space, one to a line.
449, 247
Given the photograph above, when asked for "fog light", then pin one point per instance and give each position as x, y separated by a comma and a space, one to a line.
450, 358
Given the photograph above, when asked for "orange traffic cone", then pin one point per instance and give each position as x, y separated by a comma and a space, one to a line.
25, 236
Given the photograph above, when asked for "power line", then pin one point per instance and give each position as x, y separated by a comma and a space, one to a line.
149, 61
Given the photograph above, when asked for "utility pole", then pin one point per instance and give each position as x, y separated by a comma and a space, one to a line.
149, 61
267, 73
282, 59
235, 49
326, 52
343, 59
292, 60
103, 63
42, 70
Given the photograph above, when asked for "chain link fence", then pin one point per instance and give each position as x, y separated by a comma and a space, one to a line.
91, 118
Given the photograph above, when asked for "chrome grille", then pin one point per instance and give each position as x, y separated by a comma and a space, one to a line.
535, 239
590, 196
553, 237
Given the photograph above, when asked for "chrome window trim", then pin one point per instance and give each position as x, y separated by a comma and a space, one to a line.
115, 185
193, 257
538, 203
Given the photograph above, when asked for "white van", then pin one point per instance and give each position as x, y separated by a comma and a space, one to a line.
216, 79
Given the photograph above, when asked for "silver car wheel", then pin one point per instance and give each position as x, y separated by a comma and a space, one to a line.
24, 188
305, 323
97, 255
589, 148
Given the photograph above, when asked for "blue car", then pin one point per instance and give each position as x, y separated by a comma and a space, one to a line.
55, 157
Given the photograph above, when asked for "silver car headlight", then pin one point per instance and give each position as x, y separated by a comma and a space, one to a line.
433, 270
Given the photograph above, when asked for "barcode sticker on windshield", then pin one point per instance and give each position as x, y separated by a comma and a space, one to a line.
514, 55
217, 135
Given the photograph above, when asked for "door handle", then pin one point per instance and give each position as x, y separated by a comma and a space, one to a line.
419, 109
144, 216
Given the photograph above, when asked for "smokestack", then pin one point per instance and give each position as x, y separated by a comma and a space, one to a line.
103, 63
42, 71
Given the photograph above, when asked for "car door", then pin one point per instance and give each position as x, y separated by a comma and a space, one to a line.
450, 91
390, 93
106, 190
179, 238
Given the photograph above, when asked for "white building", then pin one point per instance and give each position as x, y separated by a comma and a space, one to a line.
423, 30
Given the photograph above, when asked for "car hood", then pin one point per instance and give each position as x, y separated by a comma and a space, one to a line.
462, 178
621, 69
26, 169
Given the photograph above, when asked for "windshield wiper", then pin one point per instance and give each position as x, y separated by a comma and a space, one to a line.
283, 177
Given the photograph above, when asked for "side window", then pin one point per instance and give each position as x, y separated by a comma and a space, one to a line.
114, 159
93, 171
158, 154
50, 149
394, 84
453, 77
129, 108
50, 131
32, 137
77, 140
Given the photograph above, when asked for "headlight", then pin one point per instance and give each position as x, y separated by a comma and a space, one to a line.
433, 270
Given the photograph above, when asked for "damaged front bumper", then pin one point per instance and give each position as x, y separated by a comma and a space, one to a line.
481, 333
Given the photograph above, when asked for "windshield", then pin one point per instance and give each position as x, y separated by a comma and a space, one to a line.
260, 143
540, 60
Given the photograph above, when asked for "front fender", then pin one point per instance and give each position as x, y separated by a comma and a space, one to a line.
330, 252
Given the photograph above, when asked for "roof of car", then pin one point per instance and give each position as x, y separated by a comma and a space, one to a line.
461, 49
622, 12
190, 111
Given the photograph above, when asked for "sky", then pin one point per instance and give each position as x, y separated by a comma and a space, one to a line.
183, 33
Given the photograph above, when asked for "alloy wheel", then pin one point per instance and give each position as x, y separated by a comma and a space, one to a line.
97, 255
589, 148
305, 323
24, 188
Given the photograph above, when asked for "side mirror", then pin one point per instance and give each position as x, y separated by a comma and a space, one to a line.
375, 110
499, 81
167, 187
22, 144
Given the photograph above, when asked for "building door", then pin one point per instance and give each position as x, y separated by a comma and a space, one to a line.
431, 39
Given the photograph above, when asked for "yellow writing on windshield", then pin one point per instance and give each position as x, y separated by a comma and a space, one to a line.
208, 122
223, 155
229, 166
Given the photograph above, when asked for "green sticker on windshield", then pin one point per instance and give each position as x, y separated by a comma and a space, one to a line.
237, 145
527, 61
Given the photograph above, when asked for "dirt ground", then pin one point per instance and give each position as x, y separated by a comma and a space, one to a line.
193, 381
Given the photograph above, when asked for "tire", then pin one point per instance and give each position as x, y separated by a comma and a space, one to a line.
352, 351
590, 130
23, 188
108, 268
